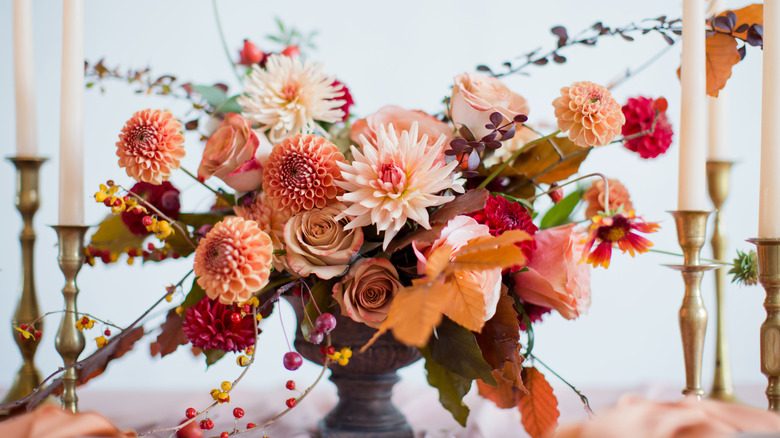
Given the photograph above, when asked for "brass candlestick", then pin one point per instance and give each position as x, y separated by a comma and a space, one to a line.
718, 185
691, 234
70, 341
27, 202
769, 276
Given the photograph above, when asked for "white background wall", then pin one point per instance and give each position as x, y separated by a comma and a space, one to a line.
405, 53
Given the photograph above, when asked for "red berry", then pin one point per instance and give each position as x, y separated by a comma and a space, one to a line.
235, 318
331, 349
238, 412
250, 425
23, 326
147, 221
107, 202
107, 332
21, 336
150, 246
117, 202
207, 424
224, 435
246, 308
290, 385
38, 334
110, 183
291, 51
292, 360
191, 430
324, 349
84, 320
191, 413
660, 104
556, 195
325, 323
290, 403
175, 255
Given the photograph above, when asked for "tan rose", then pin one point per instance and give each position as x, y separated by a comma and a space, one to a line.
402, 120
475, 96
366, 292
318, 244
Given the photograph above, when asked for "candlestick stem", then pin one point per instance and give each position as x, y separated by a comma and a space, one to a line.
691, 234
27, 310
718, 173
769, 276
70, 341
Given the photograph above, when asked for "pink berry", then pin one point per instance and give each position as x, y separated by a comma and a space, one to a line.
292, 360
325, 323
316, 336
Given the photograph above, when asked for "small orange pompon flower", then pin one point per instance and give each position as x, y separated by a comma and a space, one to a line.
617, 229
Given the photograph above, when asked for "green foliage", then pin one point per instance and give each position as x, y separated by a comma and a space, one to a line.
196, 294
213, 356
745, 268
559, 213
215, 96
113, 235
455, 348
452, 387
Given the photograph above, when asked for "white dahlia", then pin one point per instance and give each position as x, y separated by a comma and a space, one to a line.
289, 95
394, 181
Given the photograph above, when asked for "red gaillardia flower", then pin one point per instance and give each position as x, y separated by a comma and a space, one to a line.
164, 197
640, 113
233, 260
590, 114
501, 214
617, 229
150, 146
209, 326
301, 173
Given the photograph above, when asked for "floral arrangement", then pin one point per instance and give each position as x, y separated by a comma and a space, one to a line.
410, 223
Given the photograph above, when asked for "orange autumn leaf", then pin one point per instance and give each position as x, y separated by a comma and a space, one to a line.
466, 303
750, 14
722, 55
539, 408
510, 386
506, 238
503, 257
438, 261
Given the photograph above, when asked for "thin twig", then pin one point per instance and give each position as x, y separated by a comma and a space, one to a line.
583, 398
224, 44
514, 156
156, 211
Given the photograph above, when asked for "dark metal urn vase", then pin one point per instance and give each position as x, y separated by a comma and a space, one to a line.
365, 384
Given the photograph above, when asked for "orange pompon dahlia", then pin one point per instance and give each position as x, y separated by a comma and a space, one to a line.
590, 114
617, 229
233, 261
150, 146
301, 173
618, 196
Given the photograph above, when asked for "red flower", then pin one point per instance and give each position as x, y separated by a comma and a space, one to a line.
617, 229
640, 113
501, 214
208, 325
164, 197
347, 98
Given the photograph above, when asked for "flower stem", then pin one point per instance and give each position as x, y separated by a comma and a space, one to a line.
582, 396
214, 191
719, 262
224, 44
513, 157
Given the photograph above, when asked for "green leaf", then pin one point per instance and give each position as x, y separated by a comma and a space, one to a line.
213, 95
213, 356
229, 106
452, 387
456, 349
113, 235
322, 291
196, 294
560, 212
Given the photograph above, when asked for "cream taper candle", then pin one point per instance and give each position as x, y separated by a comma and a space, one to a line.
769, 186
72, 115
24, 80
693, 128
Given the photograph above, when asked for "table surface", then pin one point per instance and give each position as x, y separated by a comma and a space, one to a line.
144, 410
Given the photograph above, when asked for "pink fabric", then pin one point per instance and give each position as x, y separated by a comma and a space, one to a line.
53, 422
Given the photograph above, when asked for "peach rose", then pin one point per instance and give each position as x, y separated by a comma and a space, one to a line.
366, 292
318, 244
475, 96
234, 154
555, 277
458, 232
402, 120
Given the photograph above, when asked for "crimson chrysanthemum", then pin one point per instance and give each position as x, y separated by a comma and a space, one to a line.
640, 113
609, 231
301, 173
209, 326
233, 260
164, 197
150, 146
590, 114
501, 214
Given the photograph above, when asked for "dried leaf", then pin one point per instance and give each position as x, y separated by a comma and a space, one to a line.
466, 303
415, 311
501, 257
722, 55
113, 235
500, 338
538, 408
543, 164
114, 349
484, 243
751, 14
510, 387
171, 336
438, 261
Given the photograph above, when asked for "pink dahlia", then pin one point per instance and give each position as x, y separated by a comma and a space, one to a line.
269, 219
209, 326
396, 180
640, 113
301, 173
594, 196
590, 114
233, 260
150, 146
164, 197
501, 214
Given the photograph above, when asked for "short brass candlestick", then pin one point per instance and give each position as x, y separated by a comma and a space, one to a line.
27, 202
70, 341
691, 234
769, 276
718, 185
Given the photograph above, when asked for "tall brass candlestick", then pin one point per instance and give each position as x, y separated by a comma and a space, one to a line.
70, 341
769, 275
691, 234
718, 185
27, 202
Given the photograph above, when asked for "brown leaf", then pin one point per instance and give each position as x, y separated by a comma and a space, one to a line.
542, 162
538, 408
510, 386
420, 235
722, 55
114, 349
500, 338
171, 336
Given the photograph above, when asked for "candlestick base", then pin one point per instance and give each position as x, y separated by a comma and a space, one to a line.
769, 276
691, 233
